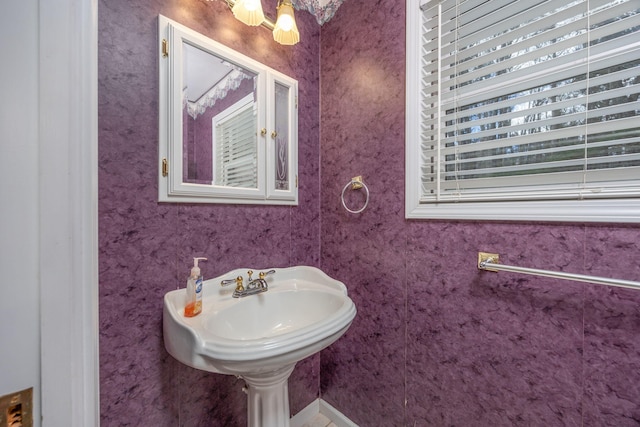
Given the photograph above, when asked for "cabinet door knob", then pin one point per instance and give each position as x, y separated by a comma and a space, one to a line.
274, 134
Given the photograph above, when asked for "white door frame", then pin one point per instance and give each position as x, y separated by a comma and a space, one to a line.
68, 198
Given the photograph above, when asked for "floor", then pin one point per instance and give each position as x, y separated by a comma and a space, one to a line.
319, 421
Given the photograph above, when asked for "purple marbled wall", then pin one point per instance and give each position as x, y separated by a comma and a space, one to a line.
146, 247
437, 342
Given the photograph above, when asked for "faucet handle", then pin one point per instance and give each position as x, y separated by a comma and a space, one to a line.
265, 273
239, 286
227, 282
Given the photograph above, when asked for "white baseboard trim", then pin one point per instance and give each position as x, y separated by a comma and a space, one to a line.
335, 416
319, 406
302, 417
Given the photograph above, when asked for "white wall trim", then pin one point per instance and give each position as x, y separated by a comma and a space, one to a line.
319, 406
335, 416
306, 414
68, 149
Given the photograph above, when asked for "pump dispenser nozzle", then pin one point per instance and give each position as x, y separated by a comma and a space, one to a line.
195, 270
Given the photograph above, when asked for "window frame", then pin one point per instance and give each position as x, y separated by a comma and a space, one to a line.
623, 210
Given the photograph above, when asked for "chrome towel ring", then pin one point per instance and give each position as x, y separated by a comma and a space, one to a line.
356, 183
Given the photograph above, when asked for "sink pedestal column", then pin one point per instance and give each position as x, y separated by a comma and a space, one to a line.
268, 402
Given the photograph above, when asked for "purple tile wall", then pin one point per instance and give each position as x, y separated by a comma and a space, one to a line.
146, 247
437, 342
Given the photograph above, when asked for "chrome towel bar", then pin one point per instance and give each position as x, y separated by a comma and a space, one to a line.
490, 262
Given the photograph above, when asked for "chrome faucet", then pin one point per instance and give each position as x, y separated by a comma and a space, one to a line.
254, 286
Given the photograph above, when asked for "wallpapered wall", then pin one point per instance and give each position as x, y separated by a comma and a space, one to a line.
437, 342
146, 247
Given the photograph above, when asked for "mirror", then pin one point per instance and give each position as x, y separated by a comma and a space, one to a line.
228, 124
219, 112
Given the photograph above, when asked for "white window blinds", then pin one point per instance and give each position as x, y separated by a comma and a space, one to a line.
236, 155
523, 100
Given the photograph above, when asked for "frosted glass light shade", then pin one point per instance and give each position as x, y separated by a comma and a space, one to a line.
286, 31
248, 11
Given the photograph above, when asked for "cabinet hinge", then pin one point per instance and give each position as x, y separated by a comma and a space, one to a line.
296, 101
165, 48
296, 181
165, 167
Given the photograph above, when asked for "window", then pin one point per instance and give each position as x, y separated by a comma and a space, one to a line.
520, 110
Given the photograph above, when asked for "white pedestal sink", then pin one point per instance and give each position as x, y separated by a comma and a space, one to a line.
260, 337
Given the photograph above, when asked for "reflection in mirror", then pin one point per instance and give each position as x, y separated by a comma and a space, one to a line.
219, 121
281, 136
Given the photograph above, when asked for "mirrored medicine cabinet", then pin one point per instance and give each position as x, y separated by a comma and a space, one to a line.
228, 124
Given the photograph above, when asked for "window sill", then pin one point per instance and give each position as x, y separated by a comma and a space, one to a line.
603, 210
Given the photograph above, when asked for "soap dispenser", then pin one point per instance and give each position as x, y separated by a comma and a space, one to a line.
193, 304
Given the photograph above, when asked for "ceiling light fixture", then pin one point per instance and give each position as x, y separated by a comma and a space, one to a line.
285, 30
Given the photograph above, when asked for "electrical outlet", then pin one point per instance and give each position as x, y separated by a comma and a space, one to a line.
16, 409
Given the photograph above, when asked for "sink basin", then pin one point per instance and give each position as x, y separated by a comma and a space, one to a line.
259, 337
303, 312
